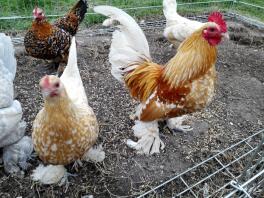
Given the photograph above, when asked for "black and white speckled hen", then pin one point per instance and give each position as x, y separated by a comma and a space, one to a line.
52, 41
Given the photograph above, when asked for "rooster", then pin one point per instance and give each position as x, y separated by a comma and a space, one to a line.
66, 128
184, 85
52, 41
177, 28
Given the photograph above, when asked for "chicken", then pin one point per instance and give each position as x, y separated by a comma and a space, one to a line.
52, 41
66, 127
178, 28
16, 151
184, 85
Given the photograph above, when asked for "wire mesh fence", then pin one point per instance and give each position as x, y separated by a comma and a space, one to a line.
237, 171
17, 14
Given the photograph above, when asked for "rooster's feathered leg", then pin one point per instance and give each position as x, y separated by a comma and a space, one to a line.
149, 141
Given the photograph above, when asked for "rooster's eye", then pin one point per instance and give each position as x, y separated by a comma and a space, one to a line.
212, 29
56, 85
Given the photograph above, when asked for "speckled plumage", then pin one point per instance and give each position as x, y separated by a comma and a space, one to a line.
63, 132
71, 21
66, 127
52, 41
49, 42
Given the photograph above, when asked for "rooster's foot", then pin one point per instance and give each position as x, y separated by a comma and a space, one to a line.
175, 124
149, 141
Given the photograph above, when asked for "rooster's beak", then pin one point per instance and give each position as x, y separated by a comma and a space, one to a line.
225, 36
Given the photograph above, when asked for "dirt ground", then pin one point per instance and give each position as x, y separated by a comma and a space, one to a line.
236, 112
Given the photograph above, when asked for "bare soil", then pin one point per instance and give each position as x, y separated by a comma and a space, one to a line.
236, 112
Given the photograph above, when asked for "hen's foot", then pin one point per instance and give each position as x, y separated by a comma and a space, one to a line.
149, 141
95, 154
175, 124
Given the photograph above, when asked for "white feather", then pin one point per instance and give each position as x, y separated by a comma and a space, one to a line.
49, 174
10, 130
129, 43
95, 154
7, 71
176, 25
71, 78
7, 54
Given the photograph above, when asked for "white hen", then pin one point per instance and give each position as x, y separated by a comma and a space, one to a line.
16, 149
177, 27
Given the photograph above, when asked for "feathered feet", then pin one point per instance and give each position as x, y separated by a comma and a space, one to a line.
175, 124
149, 141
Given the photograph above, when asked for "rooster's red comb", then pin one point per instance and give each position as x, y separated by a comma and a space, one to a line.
218, 19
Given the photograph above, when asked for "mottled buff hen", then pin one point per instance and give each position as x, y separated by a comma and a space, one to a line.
66, 128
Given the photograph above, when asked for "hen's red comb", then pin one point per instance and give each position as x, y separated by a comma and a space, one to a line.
35, 10
218, 19
46, 82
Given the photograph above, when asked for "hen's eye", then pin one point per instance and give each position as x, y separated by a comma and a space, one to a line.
56, 85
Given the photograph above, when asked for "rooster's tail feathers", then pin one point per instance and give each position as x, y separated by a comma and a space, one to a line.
7, 54
129, 44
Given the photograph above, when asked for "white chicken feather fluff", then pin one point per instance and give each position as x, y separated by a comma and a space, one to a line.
129, 44
16, 147
7, 71
49, 174
177, 27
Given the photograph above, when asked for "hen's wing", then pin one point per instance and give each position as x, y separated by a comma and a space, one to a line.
71, 21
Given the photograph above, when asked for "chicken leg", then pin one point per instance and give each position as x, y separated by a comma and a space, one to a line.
175, 124
149, 141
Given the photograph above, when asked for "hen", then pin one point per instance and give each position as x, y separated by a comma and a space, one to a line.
184, 85
177, 28
52, 41
66, 128
16, 147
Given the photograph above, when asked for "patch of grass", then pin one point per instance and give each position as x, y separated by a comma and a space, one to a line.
60, 7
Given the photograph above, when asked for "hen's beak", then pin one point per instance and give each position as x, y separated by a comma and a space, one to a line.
225, 36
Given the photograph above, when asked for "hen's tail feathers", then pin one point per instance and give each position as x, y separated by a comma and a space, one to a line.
71, 21
80, 9
170, 11
129, 44
7, 54
49, 174
71, 77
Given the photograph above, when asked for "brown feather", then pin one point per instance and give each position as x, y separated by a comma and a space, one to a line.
143, 80
194, 58
42, 29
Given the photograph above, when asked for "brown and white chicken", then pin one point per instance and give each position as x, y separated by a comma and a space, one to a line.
184, 85
66, 127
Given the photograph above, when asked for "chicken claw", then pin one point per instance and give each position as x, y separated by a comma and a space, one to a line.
175, 124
